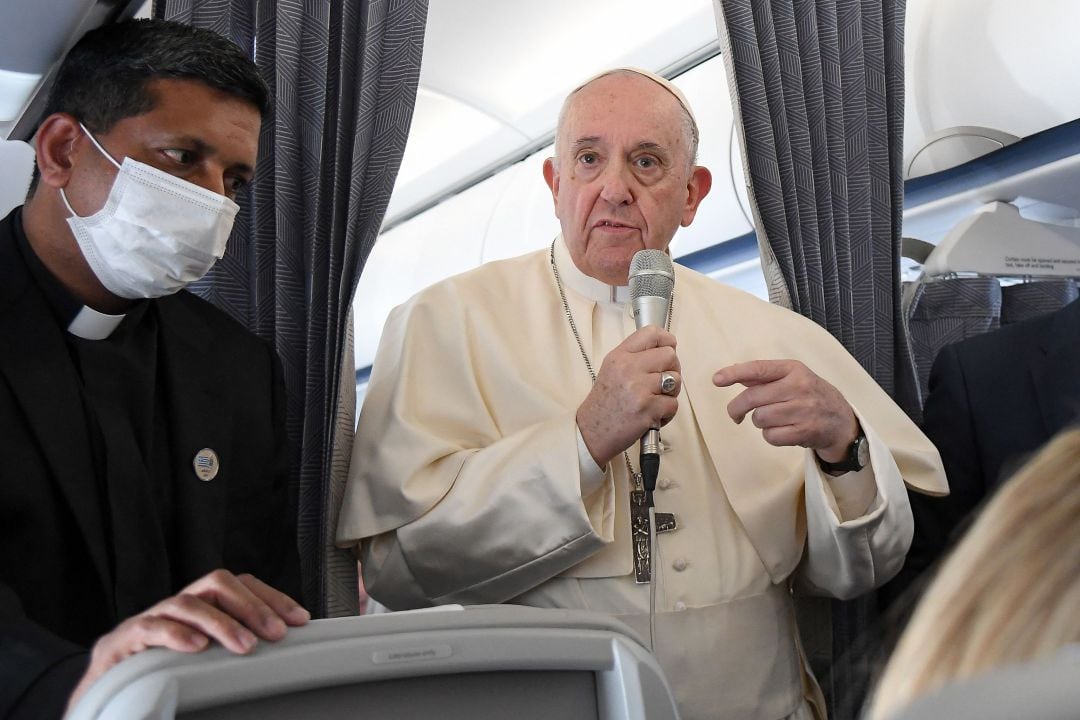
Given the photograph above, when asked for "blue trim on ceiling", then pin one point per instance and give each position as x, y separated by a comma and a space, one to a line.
1034, 151
725, 254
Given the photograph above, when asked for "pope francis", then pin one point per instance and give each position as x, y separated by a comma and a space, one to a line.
491, 461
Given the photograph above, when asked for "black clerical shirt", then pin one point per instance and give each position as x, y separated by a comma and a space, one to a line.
128, 429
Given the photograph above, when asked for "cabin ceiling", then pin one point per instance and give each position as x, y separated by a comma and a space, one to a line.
495, 71
34, 35
494, 74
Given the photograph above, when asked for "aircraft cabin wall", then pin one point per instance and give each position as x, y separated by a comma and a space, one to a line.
993, 64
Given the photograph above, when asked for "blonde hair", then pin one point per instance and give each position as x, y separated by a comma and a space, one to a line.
1009, 593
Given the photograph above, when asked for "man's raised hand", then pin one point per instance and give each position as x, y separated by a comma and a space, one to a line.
791, 405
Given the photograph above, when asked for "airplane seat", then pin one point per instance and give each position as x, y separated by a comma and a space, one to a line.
947, 311
477, 663
1045, 689
1030, 299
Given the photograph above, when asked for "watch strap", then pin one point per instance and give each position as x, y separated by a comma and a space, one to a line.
851, 461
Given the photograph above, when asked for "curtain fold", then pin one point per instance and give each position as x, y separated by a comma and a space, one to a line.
818, 94
343, 74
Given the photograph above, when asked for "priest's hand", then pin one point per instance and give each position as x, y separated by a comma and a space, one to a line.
791, 405
233, 610
626, 400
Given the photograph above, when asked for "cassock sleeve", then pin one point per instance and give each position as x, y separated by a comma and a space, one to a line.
847, 556
446, 506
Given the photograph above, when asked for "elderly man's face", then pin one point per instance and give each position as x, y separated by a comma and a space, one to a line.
622, 179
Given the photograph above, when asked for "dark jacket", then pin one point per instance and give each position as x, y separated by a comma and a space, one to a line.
222, 389
994, 400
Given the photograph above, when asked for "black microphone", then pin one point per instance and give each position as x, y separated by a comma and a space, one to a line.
652, 279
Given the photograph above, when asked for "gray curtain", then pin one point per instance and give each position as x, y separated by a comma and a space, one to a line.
818, 91
344, 75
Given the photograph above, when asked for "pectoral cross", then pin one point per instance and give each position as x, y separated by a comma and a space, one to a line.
640, 543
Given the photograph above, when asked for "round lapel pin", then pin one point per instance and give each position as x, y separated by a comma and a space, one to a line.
206, 464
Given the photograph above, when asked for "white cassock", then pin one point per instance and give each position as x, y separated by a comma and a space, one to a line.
470, 483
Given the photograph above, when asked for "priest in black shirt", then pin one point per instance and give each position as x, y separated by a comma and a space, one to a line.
143, 484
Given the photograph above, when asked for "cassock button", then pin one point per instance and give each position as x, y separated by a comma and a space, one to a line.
206, 464
679, 564
680, 606
664, 483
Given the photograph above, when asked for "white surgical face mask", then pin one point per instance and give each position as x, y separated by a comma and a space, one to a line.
155, 234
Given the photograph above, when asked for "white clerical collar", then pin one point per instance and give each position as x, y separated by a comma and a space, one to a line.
582, 284
89, 324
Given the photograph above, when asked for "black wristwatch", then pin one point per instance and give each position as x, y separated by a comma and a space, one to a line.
858, 457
